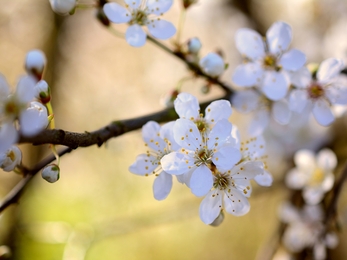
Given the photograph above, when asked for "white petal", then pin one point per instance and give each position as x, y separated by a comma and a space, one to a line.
166, 132
201, 181
26, 91
329, 69
259, 123
313, 196
62, 7
34, 119
210, 206
212, 64
217, 110
247, 75
187, 106
8, 136
135, 36
301, 78
151, 136
322, 112
328, 182
275, 85
10, 159
187, 134
226, 157
265, 179
292, 60
249, 43
158, 7
297, 100
246, 101
176, 163
305, 160
162, 186
281, 112
296, 179
235, 203
144, 165
326, 160
219, 134
133, 4
254, 148
278, 37
161, 29
117, 13
337, 94
247, 170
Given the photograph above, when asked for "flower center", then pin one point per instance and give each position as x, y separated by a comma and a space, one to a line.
317, 176
221, 181
139, 17
11, 107
203, 156
315, 91
11, 155
270, 62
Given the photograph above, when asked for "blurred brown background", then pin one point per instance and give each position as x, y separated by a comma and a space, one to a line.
98, 210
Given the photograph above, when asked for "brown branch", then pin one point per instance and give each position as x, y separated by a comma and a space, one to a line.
100, 136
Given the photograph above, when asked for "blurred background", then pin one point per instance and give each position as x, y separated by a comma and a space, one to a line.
98, 209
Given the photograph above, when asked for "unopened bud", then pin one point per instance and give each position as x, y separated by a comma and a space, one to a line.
168, 99
194, 45
10, 159
206, 89
35, 63
51, 173
63, 7
43, 92
212, 64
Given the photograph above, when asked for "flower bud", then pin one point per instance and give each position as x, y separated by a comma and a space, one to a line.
35, 63
51, 173
188, 3
63, 7
212, 64
168, 99
218, 220
10, 159
194, 45
43, 92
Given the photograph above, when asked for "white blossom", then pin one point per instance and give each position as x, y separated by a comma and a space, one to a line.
63, 7
320, 94
194, 45
267, 62
160, 142
10, 159
313, 174
35, 63
138, 13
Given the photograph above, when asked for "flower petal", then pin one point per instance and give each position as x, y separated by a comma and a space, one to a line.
322, 112
219, 134
280, 112
297, 100
278, 37
296, 179
305, 160
133, 4
187, 106
117, 13
212, 64
166, 132
187, 135
329, 69
226, 157
161, 29
326, 160
259, 123
300, 78
176, 163
26, 91
162, 186
337, 94
235, 203
8, 136
144, 165
292, 60
201, 181
34, 119
151, 136
210, 206
265, 179
4, 88
313, 195
135, 36
249, 43
217, 110
158, 7
247, 75
275, 85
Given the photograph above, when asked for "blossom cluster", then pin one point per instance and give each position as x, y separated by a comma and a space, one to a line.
277, 84
205, 153
22, 112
